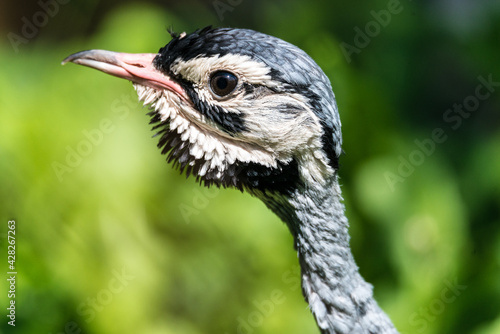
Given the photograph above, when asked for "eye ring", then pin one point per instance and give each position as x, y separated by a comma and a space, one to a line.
222, 83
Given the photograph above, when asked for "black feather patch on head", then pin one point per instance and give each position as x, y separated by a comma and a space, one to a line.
182, 48
229, 122
327, 138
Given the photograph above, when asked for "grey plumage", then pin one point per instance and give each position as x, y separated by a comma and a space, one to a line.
238, 108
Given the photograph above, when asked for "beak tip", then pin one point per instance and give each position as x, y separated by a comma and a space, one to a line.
69, 58
82, 55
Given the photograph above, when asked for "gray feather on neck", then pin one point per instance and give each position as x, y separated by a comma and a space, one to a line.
340, 299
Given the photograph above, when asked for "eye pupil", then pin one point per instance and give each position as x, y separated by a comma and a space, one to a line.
223, 83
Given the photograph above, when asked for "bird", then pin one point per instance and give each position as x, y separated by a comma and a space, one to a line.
239, 108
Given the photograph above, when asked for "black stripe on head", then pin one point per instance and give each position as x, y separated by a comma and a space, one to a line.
329, 146
327, 138
229, 122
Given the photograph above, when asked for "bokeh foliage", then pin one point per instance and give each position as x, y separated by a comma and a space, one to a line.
120, 243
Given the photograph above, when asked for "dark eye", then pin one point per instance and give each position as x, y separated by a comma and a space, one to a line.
223, 83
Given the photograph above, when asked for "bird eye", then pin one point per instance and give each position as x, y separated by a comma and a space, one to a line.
223, 83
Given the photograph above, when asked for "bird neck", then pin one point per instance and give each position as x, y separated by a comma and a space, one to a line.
339, 298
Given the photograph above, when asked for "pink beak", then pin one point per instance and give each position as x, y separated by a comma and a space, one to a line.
136, 67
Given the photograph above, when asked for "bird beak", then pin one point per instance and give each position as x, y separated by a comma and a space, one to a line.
136, 67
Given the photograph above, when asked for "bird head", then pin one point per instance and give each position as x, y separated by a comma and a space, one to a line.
235, 108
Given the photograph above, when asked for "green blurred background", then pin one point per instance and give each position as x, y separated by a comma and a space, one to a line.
110, 239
